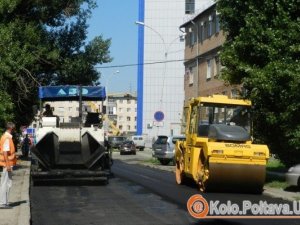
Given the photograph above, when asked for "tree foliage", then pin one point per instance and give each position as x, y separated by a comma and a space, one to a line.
262, 53
44, 43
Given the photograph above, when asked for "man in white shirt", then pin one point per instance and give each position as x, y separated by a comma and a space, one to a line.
7, 159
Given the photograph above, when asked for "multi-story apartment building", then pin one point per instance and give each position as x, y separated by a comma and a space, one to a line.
160, 69
122, 109
203, 44
68, 111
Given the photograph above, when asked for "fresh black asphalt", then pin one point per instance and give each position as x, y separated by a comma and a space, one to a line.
135, 195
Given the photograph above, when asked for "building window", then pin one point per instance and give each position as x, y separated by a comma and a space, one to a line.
190, 74
189, 6
128, 127
134, 118
128, 109
110, 110
217, 24
192, 38
120, 110
208, 71
128, 101
135, 110
234, 93
202, 31
121, 101
135, 127
217, 66
209, 27
128, 118
120, 118
120, 127
61, 109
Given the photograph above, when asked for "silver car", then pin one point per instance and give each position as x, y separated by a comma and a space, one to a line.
164, 148
293, 176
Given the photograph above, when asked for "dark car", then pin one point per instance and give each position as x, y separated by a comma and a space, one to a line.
127, 147
115, 141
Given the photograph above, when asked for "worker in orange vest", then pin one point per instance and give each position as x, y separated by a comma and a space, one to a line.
7, 161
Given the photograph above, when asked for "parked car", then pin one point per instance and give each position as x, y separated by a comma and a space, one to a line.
127, 147
139, 142
293, 176
116, 141
164, 148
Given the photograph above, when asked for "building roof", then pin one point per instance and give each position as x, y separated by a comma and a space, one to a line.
200, 12
122, 95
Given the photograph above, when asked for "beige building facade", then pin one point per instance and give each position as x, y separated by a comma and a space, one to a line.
121, 109
203, 67
68, 111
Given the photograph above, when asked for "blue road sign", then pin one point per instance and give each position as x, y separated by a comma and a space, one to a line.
159, 116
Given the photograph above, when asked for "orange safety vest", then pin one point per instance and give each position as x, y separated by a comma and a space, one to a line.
12, 160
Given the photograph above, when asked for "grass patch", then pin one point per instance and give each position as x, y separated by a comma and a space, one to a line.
115, 150
152, 161
275, 181
277, 184
275, 165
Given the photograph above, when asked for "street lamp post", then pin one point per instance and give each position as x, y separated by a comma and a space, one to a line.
108, 79
166, 52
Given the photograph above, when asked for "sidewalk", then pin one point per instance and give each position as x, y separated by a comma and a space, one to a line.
289, 194
18, 197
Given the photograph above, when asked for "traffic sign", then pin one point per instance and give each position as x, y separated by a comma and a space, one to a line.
159, 116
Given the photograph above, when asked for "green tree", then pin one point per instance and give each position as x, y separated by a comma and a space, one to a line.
44, 43
262, 53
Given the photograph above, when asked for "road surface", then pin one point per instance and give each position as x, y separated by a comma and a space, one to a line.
136, 195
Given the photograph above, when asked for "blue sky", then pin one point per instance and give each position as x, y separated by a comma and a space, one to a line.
115, 19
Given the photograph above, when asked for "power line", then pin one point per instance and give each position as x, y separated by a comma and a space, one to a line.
138, 64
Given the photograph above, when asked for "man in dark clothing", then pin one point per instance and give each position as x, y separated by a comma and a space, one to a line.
26, 145
48, 112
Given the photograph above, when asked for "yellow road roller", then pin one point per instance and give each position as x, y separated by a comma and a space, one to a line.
218, 153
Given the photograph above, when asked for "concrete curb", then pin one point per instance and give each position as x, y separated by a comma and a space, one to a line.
24, 213
279, 193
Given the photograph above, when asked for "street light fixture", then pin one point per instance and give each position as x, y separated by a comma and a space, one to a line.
166, 52
166, 47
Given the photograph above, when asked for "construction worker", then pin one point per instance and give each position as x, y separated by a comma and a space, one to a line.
48, 112
26, 145
7, 161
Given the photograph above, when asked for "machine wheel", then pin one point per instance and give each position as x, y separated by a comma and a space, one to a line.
179, 173
202, 173
164, 161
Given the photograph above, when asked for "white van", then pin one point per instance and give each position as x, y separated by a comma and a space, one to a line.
139, 142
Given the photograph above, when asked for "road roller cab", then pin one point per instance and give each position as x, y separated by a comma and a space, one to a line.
70, 150
218, 153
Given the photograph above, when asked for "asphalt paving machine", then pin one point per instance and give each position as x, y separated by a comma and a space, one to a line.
75, 150
218, 153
